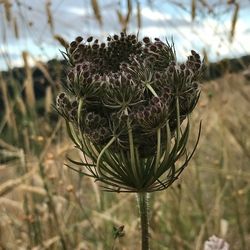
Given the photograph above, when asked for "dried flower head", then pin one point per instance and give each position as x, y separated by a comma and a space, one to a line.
124, 103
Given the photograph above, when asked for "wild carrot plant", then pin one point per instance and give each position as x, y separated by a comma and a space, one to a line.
127, 105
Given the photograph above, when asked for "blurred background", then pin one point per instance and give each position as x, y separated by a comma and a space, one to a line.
45, 205
218, 27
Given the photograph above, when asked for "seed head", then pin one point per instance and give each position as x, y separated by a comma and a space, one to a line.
124, 103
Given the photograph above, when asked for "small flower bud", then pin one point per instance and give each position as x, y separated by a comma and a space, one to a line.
86, 74
90, 39
73, 44
146, 40
155, 99
89, 80
153, 48
159, 45
79, 39
116, 37
193, 52
61, 95
74, 104
95, 46
182, 66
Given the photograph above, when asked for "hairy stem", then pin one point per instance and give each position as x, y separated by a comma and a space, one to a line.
143, 209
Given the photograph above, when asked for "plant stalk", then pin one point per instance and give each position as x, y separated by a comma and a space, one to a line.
143, 209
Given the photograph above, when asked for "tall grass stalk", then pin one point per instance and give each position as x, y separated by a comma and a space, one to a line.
52, 208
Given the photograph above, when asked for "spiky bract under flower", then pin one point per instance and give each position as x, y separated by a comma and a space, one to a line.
124, 103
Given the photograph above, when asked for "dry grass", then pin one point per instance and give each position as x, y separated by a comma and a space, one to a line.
44, 205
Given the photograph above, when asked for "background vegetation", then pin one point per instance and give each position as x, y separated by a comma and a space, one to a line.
45, 205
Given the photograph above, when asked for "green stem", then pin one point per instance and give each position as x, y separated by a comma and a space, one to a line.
101, 153
79, 109
178, 120
158, 151
132, 153
143, 209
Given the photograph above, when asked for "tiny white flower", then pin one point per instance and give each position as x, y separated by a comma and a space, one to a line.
215, 243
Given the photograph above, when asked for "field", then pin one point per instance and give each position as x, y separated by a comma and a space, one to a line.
45, 205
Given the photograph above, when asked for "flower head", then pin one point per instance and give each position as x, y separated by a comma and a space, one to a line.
124, 105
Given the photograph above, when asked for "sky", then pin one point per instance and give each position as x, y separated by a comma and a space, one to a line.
210, 29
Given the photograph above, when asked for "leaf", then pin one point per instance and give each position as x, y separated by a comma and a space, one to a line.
80, 163
78, 171
183, 141
73, 135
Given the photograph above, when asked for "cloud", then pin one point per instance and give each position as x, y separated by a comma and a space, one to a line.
154, 15
73, 18
77, 11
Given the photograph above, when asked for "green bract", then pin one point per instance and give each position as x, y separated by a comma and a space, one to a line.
125, 104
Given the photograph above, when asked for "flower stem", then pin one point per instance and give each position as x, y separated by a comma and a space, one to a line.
143, 209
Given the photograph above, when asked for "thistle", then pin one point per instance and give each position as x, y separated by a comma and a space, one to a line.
127, 105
